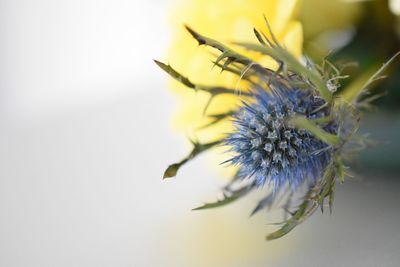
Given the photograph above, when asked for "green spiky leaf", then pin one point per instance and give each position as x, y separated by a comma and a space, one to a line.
227, 53
312, 127
227, 199
213, 90
263, 203
282, 55
352, 93
198, 148
305, 210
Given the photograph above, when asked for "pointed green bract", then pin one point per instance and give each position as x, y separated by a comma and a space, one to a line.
198, 148
213, 90
309, 125
233, 196
263, 203
290, 224
367, 79
282, 55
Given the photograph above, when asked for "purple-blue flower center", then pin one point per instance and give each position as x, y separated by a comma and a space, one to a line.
271, 150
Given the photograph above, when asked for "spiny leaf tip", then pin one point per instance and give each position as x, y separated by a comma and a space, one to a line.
171, 171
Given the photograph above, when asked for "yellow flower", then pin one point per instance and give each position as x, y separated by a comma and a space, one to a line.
332, 27
332, 15
226, 21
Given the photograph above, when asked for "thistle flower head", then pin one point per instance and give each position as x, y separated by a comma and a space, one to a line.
269, 148
293, 128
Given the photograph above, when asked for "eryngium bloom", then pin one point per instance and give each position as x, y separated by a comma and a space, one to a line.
269, 149
292, 132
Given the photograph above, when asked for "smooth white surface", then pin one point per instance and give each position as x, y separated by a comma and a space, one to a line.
59, 56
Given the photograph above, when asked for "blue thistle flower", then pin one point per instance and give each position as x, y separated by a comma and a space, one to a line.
269, 148
292, 128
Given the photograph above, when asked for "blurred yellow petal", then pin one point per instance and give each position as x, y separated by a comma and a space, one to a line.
292, 37
320, 16
284, 13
